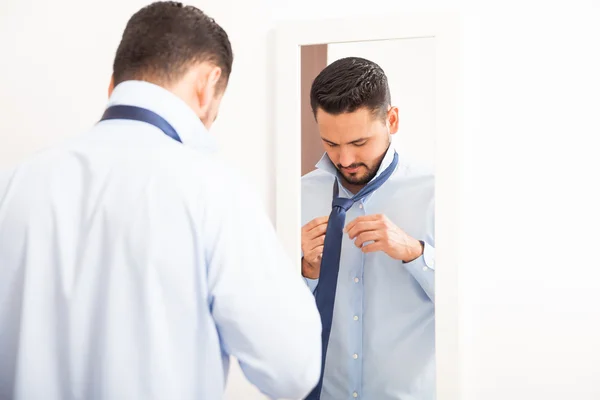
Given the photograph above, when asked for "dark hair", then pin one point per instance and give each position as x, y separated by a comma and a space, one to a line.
349, 84
163, 39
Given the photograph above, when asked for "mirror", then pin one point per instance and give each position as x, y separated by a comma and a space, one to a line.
387, 340
382, 339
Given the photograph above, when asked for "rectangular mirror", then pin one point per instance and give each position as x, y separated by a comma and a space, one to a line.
419, 54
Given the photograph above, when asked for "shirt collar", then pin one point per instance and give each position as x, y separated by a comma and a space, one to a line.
166, 104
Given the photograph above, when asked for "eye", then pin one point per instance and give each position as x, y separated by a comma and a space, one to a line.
331, 144
360, 143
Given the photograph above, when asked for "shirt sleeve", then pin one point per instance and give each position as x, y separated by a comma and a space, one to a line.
265, 316
423, 270
312, 284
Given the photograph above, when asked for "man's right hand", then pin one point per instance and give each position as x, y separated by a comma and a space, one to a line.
313, 238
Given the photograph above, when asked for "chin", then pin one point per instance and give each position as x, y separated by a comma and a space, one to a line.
355, 180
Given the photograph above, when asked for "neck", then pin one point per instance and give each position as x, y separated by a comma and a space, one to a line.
352, 187
184, 91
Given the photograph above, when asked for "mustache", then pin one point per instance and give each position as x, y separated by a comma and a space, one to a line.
356, 165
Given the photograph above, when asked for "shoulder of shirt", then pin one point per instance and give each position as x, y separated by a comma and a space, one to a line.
41, 156
210, 168
415, 178
408, 169
317, 176
203, 167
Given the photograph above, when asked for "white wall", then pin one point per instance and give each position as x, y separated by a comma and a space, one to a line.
530, 286
409, 65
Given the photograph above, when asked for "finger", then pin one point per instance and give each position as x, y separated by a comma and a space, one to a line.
313, 238
315, 222
316, 254
364, 226
316, 232
363, 218
319, 241
367, 237
373, 247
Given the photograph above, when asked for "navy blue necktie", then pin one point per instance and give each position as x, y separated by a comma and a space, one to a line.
330, 263
143, 115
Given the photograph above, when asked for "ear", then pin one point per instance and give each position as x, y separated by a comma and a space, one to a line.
111, 85
214, 76
208, 86
392, 120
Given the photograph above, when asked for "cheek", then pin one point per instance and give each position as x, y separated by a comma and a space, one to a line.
334, 155
368, 153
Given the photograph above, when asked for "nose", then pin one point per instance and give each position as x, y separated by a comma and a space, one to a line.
346, 157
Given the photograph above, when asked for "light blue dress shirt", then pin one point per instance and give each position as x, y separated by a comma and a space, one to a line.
382, 338
132, 266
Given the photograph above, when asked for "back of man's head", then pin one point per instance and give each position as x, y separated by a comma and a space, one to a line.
163, 39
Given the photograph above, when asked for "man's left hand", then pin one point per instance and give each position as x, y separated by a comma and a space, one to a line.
386, 237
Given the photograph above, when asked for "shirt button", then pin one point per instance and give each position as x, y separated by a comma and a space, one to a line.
355, 395
355, 280
360, 206
425, 268
355, 356
356, 317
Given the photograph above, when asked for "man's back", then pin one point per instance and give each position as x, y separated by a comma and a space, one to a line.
132, 265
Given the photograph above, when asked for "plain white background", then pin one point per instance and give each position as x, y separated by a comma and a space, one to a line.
530, 283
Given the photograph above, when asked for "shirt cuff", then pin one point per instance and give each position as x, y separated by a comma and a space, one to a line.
312, 284
425, 261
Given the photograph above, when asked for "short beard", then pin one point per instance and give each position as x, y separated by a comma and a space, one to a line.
362, 180
371, 172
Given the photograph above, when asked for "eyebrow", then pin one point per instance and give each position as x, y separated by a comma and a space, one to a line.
352, 142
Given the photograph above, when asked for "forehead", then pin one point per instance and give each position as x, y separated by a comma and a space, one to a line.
347, 127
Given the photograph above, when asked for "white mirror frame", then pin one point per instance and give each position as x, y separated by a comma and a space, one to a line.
445, 29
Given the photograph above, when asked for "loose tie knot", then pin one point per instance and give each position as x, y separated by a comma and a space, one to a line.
343, 203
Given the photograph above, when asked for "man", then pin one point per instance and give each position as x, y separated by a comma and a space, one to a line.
132, 261
372, 254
